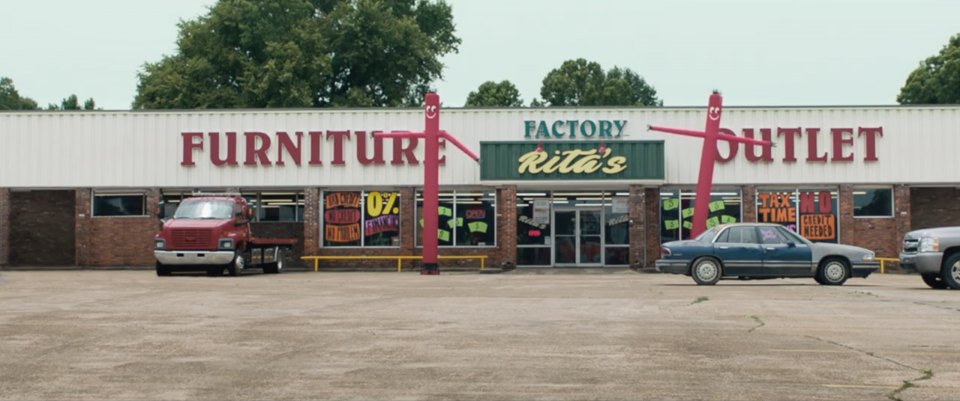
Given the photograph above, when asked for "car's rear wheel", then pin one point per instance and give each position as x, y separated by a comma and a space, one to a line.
706, 271
934, 281
951, 272
833, 272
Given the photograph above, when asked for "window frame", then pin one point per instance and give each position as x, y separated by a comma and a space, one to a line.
418, 194
893, 202
94, 194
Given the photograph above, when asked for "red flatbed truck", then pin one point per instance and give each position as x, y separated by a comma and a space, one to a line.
212, 233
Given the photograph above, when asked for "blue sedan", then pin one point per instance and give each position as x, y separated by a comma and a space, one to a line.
758, 250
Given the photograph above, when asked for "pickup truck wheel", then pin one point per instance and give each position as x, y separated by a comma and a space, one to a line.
934, 281
235, 267
706, 271
951, 272
162, 270
833, 272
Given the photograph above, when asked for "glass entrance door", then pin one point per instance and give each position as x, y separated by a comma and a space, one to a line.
578, 237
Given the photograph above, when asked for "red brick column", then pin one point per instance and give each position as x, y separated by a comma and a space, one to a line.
81, 224
4, 226
749, 204
311, 221
408, 233
506, 227
637, 205
845, 214
902, 211
645, 230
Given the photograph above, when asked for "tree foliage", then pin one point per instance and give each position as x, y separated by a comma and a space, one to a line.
937, 79
583, 83
493, 94
10, 99
303, 53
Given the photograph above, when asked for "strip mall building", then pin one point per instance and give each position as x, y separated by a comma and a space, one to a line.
554, 187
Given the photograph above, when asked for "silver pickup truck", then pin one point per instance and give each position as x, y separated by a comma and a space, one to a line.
935, 254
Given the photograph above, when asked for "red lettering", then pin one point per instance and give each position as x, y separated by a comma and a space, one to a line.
872, 134
189, 145
287, 144
315, 139
338, 137
806, 202
788, 135
812, 155
257, 150
826, 202
231, 149
765, 151
733, 146
839, 140
362, 149
399, 151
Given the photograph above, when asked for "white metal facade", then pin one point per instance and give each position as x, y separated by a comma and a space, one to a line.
108, 149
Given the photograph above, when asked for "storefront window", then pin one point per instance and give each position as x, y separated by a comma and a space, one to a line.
466, 218
533, 229
616, 212
361, 218
812, 213
873, 202
676, 211
266, 206
119, 204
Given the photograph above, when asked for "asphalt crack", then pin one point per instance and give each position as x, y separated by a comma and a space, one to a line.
894, 395
759, 322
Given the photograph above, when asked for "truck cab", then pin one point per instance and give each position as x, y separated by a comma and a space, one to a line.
212, 233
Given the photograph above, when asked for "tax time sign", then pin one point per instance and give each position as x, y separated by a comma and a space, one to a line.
571, 160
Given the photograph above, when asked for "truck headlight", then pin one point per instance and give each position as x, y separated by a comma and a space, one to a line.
225, 243
869, 257
928, 244
159, 244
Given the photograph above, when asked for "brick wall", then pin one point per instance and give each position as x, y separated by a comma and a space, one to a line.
4, 226
42, 228
934, 207
749, 204
881, 235
645, 216
115, 241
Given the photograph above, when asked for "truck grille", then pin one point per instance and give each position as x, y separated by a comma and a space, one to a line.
910, 245
190, 238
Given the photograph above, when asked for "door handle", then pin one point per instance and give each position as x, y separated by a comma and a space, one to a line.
724, 247
770, 248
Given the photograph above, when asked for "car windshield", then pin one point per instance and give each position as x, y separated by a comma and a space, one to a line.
204, 209
708, 235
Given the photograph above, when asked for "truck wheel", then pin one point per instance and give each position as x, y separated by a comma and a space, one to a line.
833, 272
951, 272
706, 271
235, 267
162, 270
934, 281
276, 266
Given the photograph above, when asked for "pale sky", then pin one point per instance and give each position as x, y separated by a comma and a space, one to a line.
757, 52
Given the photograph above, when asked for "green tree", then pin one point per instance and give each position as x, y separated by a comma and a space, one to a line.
583, 83
10, 99
72, 103
303, 53
937, 79
493, 94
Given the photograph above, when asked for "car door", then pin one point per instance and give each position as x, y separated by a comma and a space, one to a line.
781, 256
739, 251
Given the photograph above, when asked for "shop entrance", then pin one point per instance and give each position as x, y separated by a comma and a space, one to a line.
578, 237
42, 229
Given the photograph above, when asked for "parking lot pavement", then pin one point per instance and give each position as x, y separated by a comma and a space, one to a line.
131, 335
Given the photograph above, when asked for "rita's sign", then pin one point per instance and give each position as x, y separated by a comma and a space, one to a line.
586, 160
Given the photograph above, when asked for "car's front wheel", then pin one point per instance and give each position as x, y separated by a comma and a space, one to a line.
934, 281
951, 272
833, 272
706, 271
